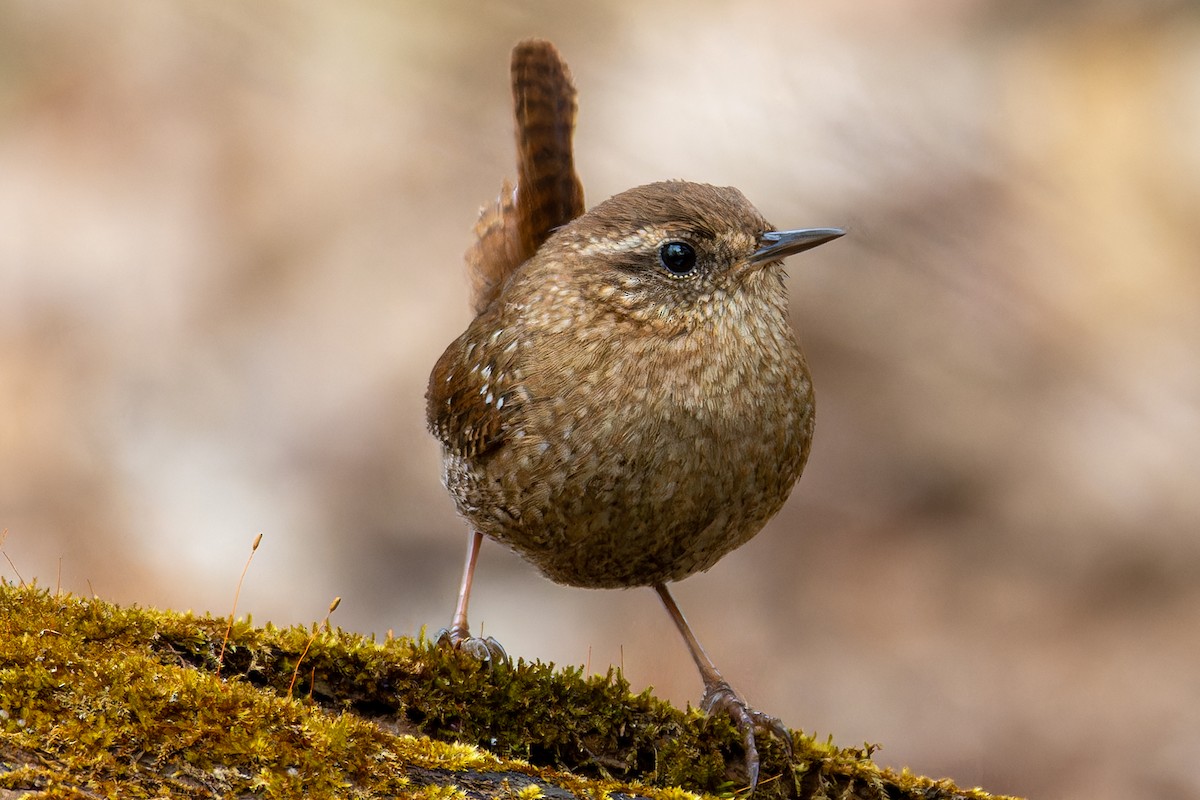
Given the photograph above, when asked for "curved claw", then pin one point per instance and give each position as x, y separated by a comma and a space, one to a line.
488, 650
721, 697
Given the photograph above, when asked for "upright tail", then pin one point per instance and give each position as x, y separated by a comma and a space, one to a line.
548, 193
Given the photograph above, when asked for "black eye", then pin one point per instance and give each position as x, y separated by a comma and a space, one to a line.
678, 257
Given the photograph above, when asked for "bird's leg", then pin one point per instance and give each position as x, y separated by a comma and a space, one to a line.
458, 634
719, 695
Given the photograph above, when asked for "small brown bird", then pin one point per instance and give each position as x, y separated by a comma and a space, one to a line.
630, 403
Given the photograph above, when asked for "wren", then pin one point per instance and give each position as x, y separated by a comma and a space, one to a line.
629, 403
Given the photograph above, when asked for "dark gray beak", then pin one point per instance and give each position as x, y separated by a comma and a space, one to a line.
776, 245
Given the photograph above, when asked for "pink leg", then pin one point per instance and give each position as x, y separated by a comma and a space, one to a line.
719, 695
459, 632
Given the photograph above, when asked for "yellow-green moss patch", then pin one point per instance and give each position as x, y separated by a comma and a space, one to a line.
97, 700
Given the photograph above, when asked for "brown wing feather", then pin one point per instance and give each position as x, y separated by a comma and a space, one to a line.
459, 416
548, 193
473, 390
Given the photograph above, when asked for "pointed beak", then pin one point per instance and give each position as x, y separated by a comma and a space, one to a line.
776, 245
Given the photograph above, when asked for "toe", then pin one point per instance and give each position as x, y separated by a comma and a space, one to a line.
486, 650
720, 697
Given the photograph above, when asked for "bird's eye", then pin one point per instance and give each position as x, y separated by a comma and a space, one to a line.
678, 257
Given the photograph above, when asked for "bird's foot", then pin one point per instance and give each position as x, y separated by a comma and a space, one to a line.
720, 697
488, 650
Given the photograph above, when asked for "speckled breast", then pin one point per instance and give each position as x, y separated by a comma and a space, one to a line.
642, 472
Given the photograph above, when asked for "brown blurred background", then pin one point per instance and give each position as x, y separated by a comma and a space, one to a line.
230, 252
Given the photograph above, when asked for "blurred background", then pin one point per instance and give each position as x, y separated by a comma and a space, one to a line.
231, 243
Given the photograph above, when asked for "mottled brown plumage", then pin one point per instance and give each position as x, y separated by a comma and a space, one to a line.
630, 402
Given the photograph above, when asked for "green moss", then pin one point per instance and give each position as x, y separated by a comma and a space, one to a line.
101, 700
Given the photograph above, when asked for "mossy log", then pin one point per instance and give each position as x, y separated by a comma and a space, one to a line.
102, 701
